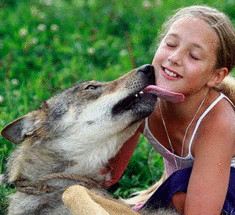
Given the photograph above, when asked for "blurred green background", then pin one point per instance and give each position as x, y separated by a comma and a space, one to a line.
46, 46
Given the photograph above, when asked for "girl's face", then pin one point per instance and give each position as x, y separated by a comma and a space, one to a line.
186, 57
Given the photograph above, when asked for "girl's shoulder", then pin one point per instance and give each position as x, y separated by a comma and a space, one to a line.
222, 114
217, 129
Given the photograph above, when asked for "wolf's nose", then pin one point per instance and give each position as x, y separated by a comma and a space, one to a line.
147, 69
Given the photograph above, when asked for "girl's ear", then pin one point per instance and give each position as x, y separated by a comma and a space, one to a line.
217, 77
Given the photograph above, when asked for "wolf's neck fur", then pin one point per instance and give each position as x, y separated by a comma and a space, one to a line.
89, 161
33, 161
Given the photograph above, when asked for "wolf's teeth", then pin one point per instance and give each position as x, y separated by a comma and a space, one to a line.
138, 94
170, 73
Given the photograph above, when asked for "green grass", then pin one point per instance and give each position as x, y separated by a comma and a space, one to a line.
46, 47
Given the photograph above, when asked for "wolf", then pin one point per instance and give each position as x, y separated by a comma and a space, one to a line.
71, 137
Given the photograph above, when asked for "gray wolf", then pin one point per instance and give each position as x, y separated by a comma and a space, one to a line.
71, 137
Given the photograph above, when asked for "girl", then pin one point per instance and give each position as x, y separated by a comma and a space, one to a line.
194, 56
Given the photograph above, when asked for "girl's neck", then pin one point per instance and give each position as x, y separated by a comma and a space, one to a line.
185, 110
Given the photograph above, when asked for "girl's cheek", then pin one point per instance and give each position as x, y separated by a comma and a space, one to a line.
154, 58
158, 60
195, 68
157, 57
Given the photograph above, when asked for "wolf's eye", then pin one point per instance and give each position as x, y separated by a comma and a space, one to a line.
91, 87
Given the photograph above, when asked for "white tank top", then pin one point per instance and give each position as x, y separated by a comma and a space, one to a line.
170, 159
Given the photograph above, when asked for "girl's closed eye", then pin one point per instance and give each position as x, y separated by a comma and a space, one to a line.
171, 44
194, 57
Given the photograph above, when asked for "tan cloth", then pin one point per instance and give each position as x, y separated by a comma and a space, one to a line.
82, 201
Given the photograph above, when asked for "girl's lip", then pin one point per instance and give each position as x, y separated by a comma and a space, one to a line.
167, 76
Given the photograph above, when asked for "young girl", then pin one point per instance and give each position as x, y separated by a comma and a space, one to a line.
194, 56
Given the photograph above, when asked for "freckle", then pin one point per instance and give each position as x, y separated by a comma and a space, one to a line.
220, 168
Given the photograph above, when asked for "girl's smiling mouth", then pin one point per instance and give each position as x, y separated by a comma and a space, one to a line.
169, 74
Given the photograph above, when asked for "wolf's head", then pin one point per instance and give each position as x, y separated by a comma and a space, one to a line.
89, 107
85, 125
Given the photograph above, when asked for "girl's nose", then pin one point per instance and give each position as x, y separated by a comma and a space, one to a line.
176, 56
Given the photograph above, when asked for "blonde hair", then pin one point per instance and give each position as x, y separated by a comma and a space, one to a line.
225, 58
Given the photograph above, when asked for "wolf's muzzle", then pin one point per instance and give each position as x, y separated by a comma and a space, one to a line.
148, 71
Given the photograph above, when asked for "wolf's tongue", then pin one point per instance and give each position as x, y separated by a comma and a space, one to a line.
165, 94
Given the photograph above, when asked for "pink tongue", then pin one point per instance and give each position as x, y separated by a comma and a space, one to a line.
165, 94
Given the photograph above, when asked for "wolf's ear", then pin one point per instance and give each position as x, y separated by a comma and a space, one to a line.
19, 129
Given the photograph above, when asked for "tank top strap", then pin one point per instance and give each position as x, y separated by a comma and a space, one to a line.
146, 126
204, 114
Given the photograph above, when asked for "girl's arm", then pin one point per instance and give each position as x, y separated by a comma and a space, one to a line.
214, 149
